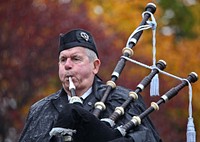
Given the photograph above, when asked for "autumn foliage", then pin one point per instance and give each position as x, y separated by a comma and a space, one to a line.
29, 32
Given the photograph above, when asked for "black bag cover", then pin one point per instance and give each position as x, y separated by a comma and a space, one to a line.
88, 127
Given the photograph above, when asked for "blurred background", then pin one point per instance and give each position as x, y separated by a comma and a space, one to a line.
29, 32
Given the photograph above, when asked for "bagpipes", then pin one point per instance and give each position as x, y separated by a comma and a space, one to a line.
78, 125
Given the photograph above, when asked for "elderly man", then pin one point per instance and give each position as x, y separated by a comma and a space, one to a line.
78, 59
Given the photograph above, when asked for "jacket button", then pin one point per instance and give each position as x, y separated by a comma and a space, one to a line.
89, 103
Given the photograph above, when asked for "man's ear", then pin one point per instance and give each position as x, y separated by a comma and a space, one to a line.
97, 64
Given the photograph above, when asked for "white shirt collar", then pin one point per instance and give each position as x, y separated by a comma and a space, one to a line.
85, 95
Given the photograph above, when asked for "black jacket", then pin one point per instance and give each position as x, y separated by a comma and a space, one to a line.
44, 113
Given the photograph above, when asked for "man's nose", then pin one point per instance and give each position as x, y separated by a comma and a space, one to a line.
68, 64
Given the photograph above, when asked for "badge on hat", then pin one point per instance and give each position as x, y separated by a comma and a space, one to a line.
84, 36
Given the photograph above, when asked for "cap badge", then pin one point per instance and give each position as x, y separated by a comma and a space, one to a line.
84, 36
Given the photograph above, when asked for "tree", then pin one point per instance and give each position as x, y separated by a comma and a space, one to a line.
29, 41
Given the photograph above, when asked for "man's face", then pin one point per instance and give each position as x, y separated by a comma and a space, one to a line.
74, 62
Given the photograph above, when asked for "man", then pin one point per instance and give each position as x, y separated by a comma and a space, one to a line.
78, 59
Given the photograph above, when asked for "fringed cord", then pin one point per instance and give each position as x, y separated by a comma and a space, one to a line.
191, 133
154, 85
140, 28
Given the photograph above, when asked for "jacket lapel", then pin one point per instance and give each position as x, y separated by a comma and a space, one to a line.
60, 101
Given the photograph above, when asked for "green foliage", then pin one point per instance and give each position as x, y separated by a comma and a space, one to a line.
178, 16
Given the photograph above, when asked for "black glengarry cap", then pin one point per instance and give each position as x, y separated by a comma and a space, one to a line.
77, 37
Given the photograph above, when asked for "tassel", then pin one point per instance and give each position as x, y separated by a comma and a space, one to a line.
154, 86
191, 133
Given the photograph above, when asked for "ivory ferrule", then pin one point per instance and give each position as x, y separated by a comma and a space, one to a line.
128, 50
140, 86
165, 98
154, 105
133, 40
100, 105
119, 110
111, 83
133, 95
116, 74
136, 120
